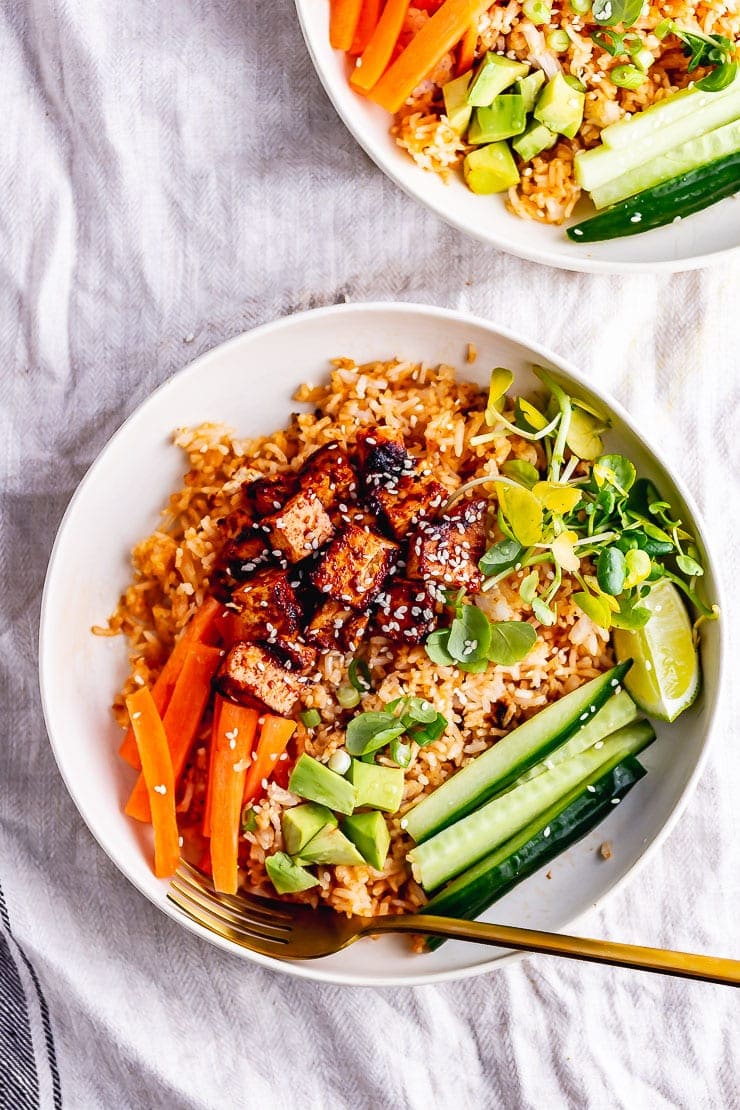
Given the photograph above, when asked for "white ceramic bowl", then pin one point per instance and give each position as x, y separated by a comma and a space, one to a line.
118, 503
705, 238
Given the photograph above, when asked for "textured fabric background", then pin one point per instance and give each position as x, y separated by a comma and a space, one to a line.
171, 174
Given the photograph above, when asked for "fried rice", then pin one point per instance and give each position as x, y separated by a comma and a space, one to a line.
548, 190
437, 414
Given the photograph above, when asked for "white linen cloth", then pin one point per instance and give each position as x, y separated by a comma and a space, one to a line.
172, 174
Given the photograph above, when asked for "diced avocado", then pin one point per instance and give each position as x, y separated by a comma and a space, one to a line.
301, 823
377, 786
560, 107
287, 876
330, 846
490, 169
494, 74
315, 782
457, 109
529, 88
504, 118
369, 833
534, 140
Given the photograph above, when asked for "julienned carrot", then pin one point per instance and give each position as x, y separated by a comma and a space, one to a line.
466, 53
366, 24
151, 741
229, 723
443, 31
343, 19
182, 719
234, 739
196, 631
379, 50
274, 737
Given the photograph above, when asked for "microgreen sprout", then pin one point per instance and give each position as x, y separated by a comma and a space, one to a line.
584, 512
403, 720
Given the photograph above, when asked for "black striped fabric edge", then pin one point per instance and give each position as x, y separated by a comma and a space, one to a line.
43, 1007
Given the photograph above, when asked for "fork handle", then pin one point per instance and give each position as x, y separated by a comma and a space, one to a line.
687, 965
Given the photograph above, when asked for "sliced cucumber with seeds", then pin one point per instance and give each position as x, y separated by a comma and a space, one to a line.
568, 821
494, 770
461, 845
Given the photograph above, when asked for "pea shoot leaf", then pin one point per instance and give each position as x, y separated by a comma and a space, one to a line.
519, 470
367, 732
470, 635
522, 511
501, 555
511, 641
611, 12
543, 612
611, 571
595, 607
436, 648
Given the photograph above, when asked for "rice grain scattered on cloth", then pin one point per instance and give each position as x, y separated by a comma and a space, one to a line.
437, 416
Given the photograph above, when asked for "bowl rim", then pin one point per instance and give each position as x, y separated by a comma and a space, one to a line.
313, 970
544, 256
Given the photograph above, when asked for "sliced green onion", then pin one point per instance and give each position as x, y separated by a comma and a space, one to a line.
358, 673
643, 59
348, 697
311, 718
626, 77
559, 41
664, 29
574, 83
580, 7
537, 11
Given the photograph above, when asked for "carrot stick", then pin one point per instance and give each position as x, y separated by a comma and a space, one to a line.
218, 702
196, 631
159, 779
343, 20
182, 719
234, 739
377, 55
274, 737
367, 23
466, 54
443, 31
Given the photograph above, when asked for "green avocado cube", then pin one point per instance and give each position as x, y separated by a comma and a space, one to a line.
560, 106
534, 139
457, 109
369, 833
287, 876
504, 118
377, 786
494, 74
301, 823
529, 88
490, 169
317, 783
330, 846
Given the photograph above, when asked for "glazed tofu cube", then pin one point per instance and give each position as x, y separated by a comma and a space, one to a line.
381, 452
250, 673
300, 527
266, 607
268, 495
354, 566
405, 611
447, 550
239, 558
403, 502
337, 627
329, 475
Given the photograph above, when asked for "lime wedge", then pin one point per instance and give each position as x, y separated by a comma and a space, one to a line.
665, 676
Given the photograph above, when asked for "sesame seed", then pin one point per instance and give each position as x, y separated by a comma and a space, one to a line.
160, 789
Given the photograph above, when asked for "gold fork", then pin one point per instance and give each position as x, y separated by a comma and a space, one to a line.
289, 931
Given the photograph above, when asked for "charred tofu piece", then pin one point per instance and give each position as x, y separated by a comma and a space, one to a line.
447, 550
266, 607
237, 522
329, 475
405, 501
381, 453
250, 673
268, 495
405, 611
300, 527
354, 566
336, 626
238, 559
